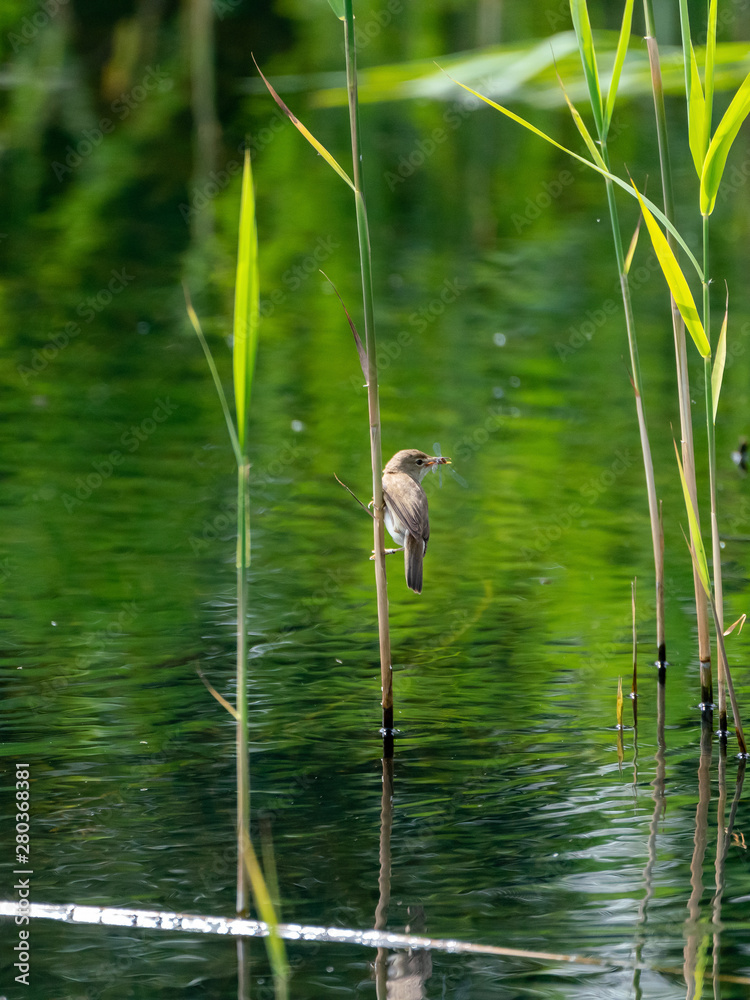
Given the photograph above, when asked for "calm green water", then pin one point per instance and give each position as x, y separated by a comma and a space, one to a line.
514, 821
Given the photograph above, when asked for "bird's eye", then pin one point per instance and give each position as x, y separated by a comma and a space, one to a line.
420, 462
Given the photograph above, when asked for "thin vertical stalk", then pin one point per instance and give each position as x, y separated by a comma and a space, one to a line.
694, 932
634, 684
245, 336
723, 836
602, 111
245, 332
710, 423
243, 764
659, 798
657, 540
739, 732
373, 403
243, 969
384, 878
711, 434
683, 384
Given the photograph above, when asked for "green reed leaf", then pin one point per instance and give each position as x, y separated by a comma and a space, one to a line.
697, 550
306, 132
717, 372
337, 6
264, 905
585, 134
657, 212
633, 244
214, 374
709, 64
676, 280
246, 303
582, 27
697, 135
718, 151
622, 48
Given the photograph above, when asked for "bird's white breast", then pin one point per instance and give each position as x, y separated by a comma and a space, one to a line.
395, 529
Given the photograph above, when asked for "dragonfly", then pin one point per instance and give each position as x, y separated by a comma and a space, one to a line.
461, 481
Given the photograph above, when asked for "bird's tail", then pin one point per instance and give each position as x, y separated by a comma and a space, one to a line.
413, 557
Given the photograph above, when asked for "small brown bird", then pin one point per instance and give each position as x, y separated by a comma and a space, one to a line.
406, 516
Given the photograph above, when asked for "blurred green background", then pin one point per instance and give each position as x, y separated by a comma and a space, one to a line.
501, 341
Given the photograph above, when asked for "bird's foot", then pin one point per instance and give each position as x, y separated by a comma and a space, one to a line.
387, 552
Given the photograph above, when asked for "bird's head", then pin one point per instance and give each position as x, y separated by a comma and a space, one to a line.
414, 463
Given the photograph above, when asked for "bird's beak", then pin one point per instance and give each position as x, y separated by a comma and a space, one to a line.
439, 461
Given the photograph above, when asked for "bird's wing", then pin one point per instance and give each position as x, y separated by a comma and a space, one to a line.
411, 505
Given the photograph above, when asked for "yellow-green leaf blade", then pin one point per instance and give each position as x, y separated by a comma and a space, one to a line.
582, 27
517, 118
697, 135
306, 133
266, 912
678, 286
246, 303
717, 372
713, 10
585, 134
657, 212
337, 6
622, 48
633, 244
697, 549
214, 374
718, 151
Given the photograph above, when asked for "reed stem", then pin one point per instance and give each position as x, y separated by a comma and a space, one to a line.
373, 402
678, 327
711, 434
657, 539
243, 763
